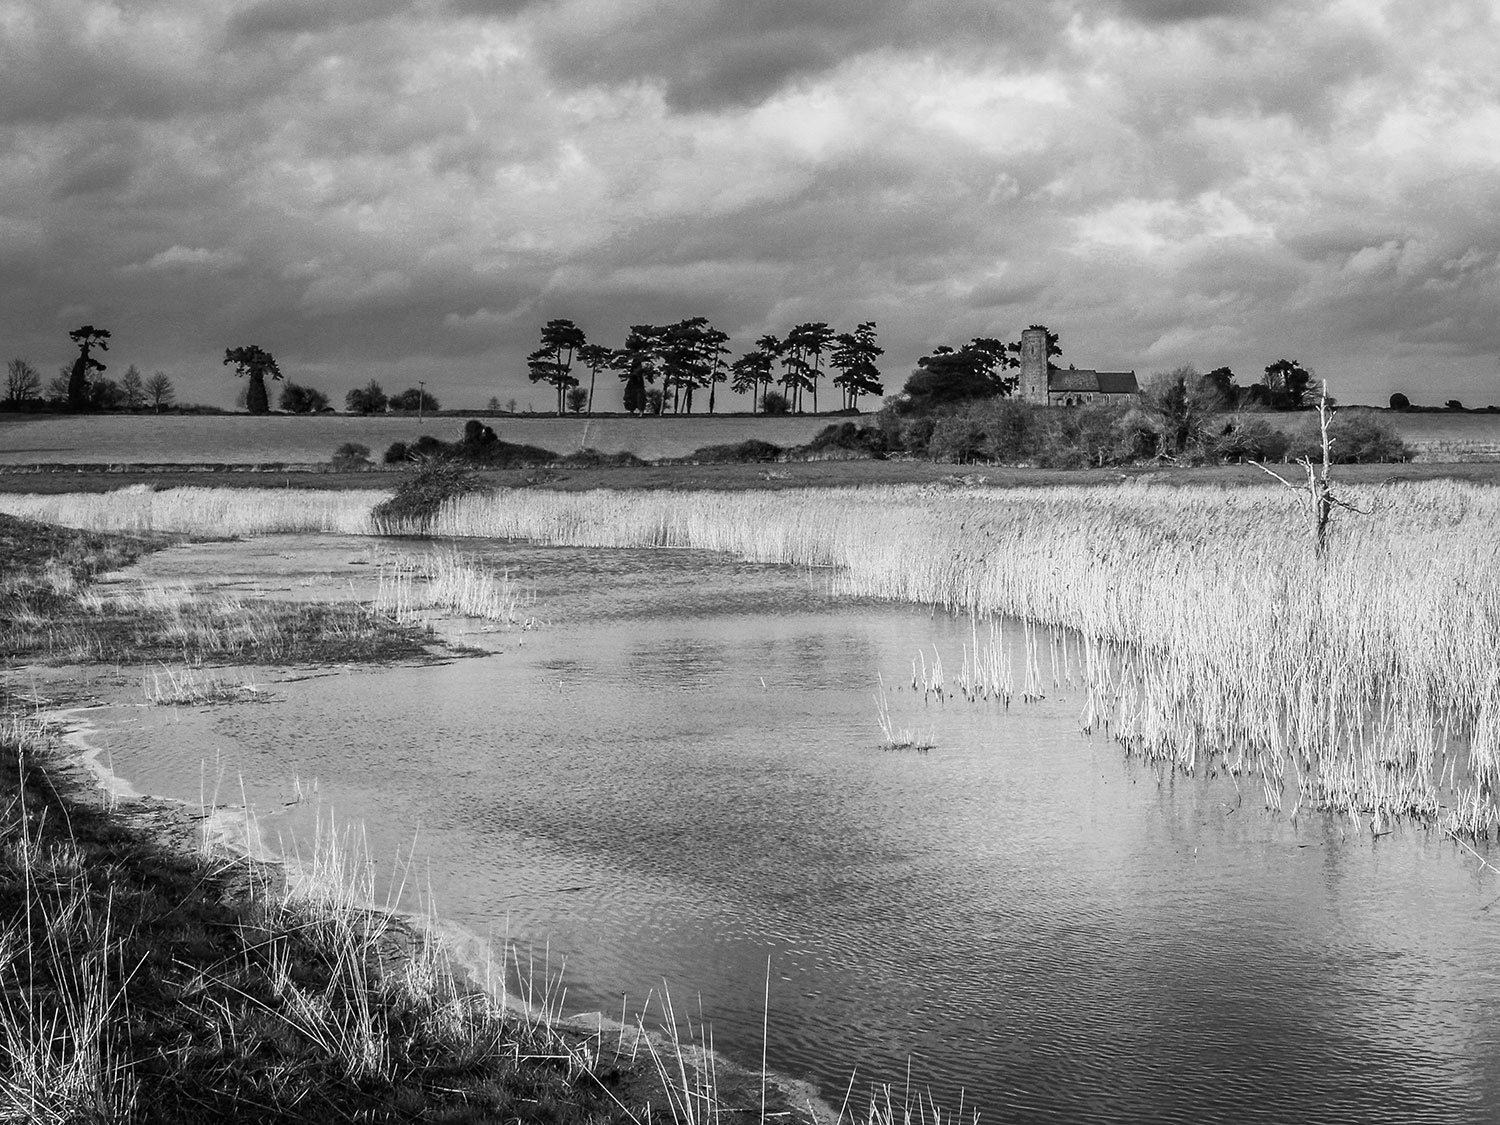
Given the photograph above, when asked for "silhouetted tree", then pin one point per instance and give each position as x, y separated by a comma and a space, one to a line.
596, 357
854, 358
553, 361
133, 387
636, 365
755, 370
22, 382
297, 399
1286, 384
159, 391
369, 399
414, 398
87, 338
1400, 402
255, 363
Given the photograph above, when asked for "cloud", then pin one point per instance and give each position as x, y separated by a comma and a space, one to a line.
183, 257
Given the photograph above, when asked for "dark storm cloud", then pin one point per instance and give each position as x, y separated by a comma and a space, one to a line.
722, 53
297, 17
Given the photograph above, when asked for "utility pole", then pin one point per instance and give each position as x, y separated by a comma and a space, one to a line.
421, 398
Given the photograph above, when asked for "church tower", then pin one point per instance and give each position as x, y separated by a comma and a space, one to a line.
1032, 386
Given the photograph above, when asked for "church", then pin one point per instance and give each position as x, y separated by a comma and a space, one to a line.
1042, 383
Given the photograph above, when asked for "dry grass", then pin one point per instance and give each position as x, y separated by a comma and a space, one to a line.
1212, 639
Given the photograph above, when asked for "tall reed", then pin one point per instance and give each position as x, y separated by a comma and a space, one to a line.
1367, 681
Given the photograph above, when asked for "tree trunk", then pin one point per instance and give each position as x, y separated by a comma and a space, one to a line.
256, 399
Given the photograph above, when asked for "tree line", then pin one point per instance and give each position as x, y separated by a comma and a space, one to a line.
667, 366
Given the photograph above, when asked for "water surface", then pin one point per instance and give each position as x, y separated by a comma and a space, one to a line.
679, 779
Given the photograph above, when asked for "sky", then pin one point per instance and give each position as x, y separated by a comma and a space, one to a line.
407, 190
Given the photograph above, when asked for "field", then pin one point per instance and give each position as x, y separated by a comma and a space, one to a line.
239, 440
224, 439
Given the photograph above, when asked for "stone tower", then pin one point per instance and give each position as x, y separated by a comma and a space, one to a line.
1032, 386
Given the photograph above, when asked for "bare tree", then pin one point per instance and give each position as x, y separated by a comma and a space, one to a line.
1318, 491
159, 391
22, 381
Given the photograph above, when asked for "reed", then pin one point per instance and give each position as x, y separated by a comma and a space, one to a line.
408, 584
1212, 635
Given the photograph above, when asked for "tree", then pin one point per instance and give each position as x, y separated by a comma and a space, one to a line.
596, 357
1183, 405
755, 370
57, 389
1221, 379
369, 399
1286, 384
297, 399
1400, 402
22, 382
690, 354
87, 338
415, 398
854, 358
133, 387
255, 363
105, 394
553, 361
977, 370
636, 365
578, 398
803, 360
159, 391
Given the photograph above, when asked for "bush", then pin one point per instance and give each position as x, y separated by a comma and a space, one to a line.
369, 399
1355, 438
959, 437
753, 451
297, 399
845, 440
350, 457
1400, 402
593, 459
1252, 439
397, 453
774, 402
414, 399
419, 495
476, 434
577, 398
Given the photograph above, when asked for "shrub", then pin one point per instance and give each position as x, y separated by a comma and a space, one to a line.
959, 437
578, 398
593, 459
350, 457
297, 399
397, 453
421, 491
1251, 439
1355, 438
845, 439
1453, 404
476, 433
414, 399
1400, 402
774, 402
753, 451
369, 399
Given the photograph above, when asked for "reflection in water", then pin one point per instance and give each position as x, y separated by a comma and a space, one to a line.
679, 778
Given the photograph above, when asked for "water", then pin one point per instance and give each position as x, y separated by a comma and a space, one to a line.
678, 779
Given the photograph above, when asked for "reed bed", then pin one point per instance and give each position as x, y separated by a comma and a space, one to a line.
140, 510
1367, 681
408, 584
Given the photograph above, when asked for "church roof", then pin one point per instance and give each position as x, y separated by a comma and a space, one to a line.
1101, 382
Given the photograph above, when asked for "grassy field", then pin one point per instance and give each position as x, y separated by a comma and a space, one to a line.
97, 439
239, 440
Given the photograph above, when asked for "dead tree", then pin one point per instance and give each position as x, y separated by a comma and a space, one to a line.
1318, 491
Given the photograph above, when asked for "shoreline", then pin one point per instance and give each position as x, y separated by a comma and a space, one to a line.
228, 836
